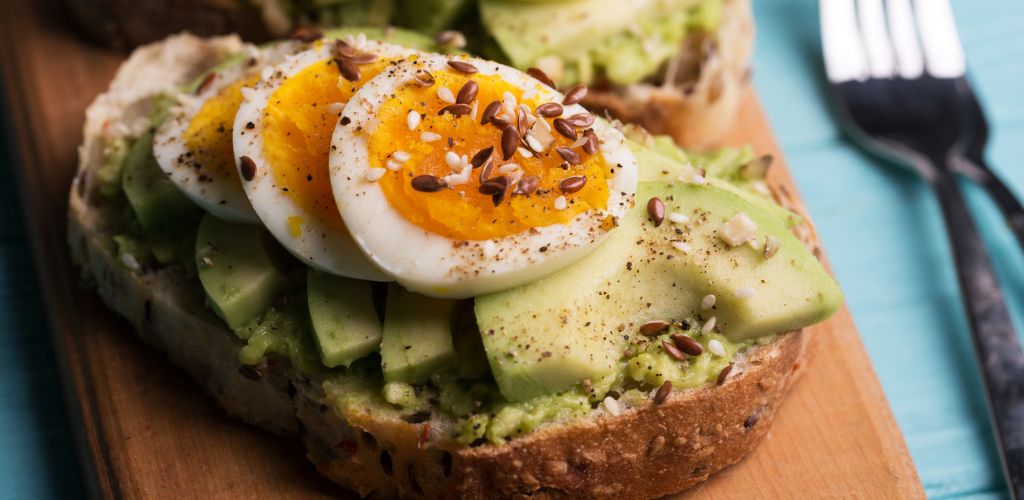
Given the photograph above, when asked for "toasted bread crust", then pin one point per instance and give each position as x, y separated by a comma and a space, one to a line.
646, 451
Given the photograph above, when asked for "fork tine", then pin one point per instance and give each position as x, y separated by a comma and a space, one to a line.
881, 62
909, 60
943, 54
841, 42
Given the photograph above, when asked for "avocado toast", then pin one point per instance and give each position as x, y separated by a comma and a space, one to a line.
466, 398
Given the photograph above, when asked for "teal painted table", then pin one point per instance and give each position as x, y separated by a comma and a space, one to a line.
879, 225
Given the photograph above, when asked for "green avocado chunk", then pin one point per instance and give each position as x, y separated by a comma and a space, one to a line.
344, 321
430, 16
417, 339
667, 162
239, 267
574, 325
156, 201
626, 41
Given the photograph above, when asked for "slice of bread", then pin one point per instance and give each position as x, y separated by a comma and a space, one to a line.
638, 450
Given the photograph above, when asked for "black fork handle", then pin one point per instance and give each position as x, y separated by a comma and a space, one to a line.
1013, 211
996, 345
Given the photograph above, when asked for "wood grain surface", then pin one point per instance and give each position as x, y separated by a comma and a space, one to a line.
144, 431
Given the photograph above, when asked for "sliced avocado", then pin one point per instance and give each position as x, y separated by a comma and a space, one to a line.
396, 36
157, 202
356, 12
239, 267
470, 349
573, 325
430, 16
417, 338
627, 40
344, 321
667, 162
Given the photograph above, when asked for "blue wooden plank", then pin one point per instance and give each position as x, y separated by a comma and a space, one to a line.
885, 239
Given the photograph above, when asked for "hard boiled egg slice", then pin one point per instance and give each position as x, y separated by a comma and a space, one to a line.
194, 144
282, 137
460, 177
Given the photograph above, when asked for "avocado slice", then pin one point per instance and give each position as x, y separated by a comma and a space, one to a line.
417, 337
240, 268
430, 16
626, 40
468, 346
573, 325
156, 201
345, 324
666, 162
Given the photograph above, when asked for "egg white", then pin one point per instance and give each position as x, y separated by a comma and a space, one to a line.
221, 196
318, 245
439, 266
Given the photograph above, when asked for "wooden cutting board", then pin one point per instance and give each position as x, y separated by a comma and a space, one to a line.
145, 431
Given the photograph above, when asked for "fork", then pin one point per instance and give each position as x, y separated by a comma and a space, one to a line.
897, 74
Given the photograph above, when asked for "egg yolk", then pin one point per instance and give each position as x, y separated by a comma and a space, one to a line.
461, 211
208, 136
297, 130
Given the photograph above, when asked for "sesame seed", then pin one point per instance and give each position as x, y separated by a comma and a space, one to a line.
716, 347
453, 160
412, 120
525, 153
429, 137
561, 203
678, 218
401, 156
708, 301
374, 174
745, 292
682, 246
534, 143
508, 168
709, 325
130, 261
612, 406
371, 125
335, 108
394, 165
445, 94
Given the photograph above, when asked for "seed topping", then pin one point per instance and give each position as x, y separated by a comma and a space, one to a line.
481, 157
581, 120
575, 94
550, 109
572, 184
673, 351
565, 128
568, 155
462, 67
590, 147
468, 92
708, 301
423, 78
686, 344
527, 186
428, 183
456, 109
663, 393
540, 75
490, 112
653, 328
248, 168
509, 142
656, 210
724, 374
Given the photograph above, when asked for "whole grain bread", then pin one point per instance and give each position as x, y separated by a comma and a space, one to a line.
641, 450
